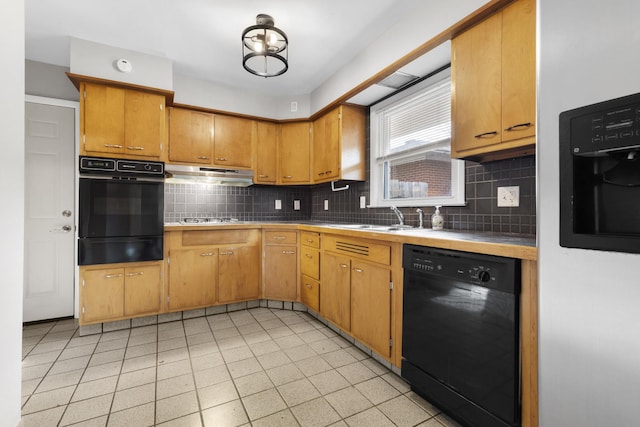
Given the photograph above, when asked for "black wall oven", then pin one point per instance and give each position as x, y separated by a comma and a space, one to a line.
460, 334
121, 212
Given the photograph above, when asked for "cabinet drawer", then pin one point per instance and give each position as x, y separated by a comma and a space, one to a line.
310, 262
357, 248
280, 237
308, 238
218, 237
310, 293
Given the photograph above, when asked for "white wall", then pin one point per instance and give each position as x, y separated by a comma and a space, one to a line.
48, 80
12, 190
589, 300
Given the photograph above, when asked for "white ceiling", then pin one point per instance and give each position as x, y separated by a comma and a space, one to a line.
202, 37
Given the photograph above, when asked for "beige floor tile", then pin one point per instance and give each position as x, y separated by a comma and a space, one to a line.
372, 417
51, 382
201, 338
279, 419
69, 365
377, 390
174, 369
139, 416
244, 367
174, 355
95, 388
101, 371
264, 403
172, 343
115, 335
274, 359
285, 374
221, 334
206, 361
176, 407
313, 365
73, 352
143, 330
311, 336
176, 385
315, 413
418, 400
403, 412
37, 371
300, 352
356, 373
86, 410
141, 362
230, 414
111, 345
137, 378
173, 331
228, 343
447, 421
196, 326
301, 327
375, 366
217, 394
237, 353
125, 399
328, 382
253, 383
29, 386
204, 348
137, 340
80, 341
264, 347
280, 332
191, 420
250, 328
57, 336
26, 349
339, 358
432, 422
289, 341
324, 346
140, 350
48, 399
41, 358
106, 357
297, 392
256, 337
401, 385
50, 417
48, 347
211, 376
220, 321
348, 401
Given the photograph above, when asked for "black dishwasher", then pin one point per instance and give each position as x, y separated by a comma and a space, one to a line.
460, 333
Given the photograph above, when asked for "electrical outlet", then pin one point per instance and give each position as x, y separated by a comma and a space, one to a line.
326, 205
296, 205
278, 204
363, 202
508, 197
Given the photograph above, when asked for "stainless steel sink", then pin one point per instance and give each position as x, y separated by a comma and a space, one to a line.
372, 227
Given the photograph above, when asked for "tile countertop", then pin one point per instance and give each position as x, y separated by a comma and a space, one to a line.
500, 244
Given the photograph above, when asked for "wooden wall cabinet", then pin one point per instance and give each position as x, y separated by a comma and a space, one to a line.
115, 291
294, 152
209, 267
233, 141
339, 145
310, 269
280, 257
120, 122
266, 158
493, 86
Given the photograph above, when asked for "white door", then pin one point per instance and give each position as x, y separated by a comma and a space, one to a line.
49, 211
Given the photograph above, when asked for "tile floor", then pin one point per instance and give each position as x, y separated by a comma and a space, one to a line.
256, 367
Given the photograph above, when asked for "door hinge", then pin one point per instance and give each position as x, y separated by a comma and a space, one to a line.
168, 260
161, 147
84, 139
83, 309
84, 94
83, 283
390, 342
391, 285
161, 107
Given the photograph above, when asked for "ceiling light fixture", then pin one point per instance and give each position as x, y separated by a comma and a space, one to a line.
265, 48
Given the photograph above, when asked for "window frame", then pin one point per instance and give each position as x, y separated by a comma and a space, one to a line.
377, 171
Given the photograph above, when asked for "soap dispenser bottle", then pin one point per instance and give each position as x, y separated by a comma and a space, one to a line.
437, 221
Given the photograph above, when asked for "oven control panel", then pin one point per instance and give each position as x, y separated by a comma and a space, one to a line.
120, 167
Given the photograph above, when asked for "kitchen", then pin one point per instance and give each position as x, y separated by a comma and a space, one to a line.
584, 371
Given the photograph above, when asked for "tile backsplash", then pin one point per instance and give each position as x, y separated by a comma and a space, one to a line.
257, 203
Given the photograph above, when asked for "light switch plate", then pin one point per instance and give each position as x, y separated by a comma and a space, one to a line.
363, 202
296, 205
278, 204
508, 197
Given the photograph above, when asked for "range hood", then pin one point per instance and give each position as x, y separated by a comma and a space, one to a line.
181, 174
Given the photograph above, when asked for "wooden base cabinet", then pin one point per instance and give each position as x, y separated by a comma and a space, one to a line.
192, 278
116, 291
335, 289
280, 257
238, 273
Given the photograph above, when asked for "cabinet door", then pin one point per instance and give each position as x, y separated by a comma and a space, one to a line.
190, 136
326, 147
102, 119
142, 290
144, 123
310, 261
310, 293
266, 154
476, 85
518, 70
335, 289
192, 277
239, 275
295, 145
232, 144
102, 295
371, 306
280, 272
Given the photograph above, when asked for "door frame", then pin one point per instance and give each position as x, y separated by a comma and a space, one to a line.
75, 105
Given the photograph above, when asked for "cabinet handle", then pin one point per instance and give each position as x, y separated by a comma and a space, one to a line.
287, 176
112, 276
221, 159
308, 256
136, 273
357, 270
289, 252
226, 253
519, 125
279, 237
203, 157
328, 172
206, 254
344, 266
482, 135
310, 240
308, 285
320, 173
135, 148
263, 176
113, 145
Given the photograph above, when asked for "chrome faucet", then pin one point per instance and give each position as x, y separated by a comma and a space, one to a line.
398, 214
420, 218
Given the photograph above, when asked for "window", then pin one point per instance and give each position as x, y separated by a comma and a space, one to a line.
411, 161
